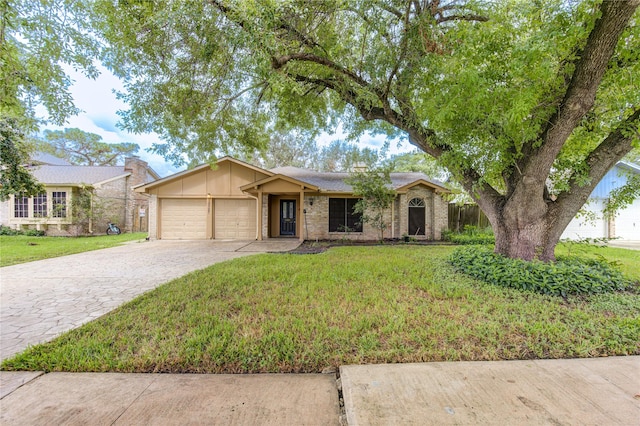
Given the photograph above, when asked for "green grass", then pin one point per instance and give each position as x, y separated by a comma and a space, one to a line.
349, 305
627, 261
20, 249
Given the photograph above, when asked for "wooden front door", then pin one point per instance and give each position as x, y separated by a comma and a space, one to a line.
287, 217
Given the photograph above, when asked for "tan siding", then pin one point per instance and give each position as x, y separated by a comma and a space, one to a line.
194, 185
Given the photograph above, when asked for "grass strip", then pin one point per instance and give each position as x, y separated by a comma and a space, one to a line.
16, 249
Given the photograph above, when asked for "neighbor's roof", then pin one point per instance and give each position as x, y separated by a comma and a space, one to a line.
76, 175
334, 182
629, 166
40, 157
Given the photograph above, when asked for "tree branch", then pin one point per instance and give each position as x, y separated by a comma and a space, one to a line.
611, 150
580, 95
281, 61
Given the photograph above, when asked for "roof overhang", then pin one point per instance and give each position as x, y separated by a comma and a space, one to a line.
437, 188
257, 185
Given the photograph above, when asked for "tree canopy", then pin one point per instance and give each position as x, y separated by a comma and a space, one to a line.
14, 155
527, 104
84, 148
37, 39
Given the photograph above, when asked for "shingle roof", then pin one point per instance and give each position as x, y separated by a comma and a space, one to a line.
58, 175
332, 181
44, 158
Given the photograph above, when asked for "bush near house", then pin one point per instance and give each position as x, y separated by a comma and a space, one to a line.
568, 275
470, 235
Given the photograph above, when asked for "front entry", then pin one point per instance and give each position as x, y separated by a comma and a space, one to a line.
417, 216
287, 217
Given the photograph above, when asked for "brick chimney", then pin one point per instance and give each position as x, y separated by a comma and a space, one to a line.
138, 168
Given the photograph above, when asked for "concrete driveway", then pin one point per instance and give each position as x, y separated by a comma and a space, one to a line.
40, 300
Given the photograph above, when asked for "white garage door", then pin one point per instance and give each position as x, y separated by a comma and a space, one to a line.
628, 222
235, 219
588, 227
183, 219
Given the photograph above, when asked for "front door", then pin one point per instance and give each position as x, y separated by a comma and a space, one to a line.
287, 217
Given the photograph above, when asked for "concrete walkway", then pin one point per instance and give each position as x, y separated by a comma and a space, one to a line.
595, 391
40, 300
627, 244
600, 391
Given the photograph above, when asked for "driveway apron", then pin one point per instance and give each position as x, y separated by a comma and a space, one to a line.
40, 300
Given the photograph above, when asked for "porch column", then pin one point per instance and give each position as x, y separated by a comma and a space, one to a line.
301, 214
260, 215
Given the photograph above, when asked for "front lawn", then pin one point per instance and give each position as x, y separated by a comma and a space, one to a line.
349, 305
16, 249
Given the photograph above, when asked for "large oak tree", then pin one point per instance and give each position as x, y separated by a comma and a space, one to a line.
527, 104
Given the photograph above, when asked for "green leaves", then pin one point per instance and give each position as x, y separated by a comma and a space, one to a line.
14, 177
564, 277
38, 37
377, 195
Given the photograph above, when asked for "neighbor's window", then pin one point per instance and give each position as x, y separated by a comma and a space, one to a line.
341, 215
40, 205
21, 206
59, 204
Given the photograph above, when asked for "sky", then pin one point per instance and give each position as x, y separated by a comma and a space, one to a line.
97, 100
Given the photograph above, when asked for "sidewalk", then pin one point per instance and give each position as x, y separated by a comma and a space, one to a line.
593, 391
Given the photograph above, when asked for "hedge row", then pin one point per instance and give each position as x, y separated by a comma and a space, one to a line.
561, 278
5, 230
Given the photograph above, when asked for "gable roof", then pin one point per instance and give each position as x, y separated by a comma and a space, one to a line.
303, 185
334, 181
143, 187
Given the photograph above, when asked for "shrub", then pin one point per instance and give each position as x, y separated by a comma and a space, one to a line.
561, 278
5, 230
33, 233
470, 235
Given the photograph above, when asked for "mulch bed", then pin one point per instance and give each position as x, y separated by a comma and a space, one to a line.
319, 246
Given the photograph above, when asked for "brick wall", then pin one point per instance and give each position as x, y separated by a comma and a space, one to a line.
316, 223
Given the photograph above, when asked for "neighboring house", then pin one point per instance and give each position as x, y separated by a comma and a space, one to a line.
240, 201
626, 223
107, 192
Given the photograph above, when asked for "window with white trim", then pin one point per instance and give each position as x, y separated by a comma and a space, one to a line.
21, 206
59, 204
40, 205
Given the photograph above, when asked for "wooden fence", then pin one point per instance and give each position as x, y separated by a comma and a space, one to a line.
466, 214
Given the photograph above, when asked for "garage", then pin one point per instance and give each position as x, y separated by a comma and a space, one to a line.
628, 222
183, 219
235, 219
592, 225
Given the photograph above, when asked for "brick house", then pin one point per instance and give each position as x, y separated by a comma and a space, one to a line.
236, 200
81, 200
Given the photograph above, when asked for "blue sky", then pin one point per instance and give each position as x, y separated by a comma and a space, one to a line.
99, 107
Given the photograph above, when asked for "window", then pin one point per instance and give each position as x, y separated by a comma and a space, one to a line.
21, 206
342, 217
59, 204
40, 205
